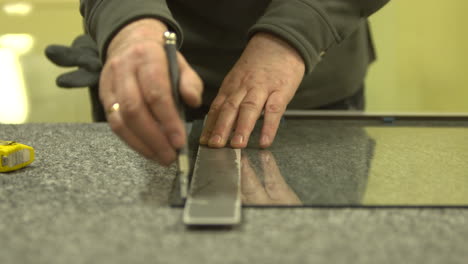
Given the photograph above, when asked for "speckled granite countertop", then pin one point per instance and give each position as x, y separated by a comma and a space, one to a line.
89, 199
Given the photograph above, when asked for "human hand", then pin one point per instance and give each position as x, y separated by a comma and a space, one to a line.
265, 78
136, 77
273, 191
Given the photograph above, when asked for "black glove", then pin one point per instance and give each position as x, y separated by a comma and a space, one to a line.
83, 54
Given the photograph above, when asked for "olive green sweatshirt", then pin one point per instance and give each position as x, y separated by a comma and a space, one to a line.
332, 37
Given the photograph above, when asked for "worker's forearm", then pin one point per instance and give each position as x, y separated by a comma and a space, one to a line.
103, 19
313, 26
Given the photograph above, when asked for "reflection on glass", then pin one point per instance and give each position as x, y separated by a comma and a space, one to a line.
265, 186
323, 165
353, 163
418, 165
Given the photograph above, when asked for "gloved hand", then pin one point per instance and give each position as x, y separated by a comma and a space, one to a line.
83, 54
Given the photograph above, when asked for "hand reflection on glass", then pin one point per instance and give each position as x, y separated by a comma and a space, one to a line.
273, 190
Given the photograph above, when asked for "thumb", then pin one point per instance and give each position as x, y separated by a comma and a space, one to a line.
191, 85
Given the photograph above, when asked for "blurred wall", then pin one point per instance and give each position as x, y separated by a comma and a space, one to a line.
423, 62
44, 22
420, 43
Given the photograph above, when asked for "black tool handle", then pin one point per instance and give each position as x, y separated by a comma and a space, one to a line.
174, 73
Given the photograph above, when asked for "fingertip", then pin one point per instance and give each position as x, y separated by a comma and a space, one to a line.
164, 164
177, 140
197, 101
191, 87
238, 141
192, 98
216, 141
203, 140
265, 141
200, 100
167, 158
199, 89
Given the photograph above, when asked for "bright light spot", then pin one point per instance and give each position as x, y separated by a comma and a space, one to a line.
17, 9
14, 106
18, 43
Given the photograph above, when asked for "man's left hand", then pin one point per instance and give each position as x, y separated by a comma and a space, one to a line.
265, 78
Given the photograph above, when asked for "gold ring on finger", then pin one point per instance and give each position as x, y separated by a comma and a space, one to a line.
114, 108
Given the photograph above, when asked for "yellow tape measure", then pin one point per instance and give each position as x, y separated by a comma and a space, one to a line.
14, 156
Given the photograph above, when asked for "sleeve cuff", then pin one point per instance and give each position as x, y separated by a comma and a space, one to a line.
301, 24
108, 17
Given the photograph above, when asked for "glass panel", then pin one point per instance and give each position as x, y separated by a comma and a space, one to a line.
344, 163
359, 163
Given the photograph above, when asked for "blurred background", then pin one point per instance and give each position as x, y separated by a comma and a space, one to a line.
421, 65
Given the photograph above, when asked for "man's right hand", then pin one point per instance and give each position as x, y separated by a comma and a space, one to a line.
136, 76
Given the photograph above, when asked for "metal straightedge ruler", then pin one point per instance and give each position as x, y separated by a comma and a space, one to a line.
214, 197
